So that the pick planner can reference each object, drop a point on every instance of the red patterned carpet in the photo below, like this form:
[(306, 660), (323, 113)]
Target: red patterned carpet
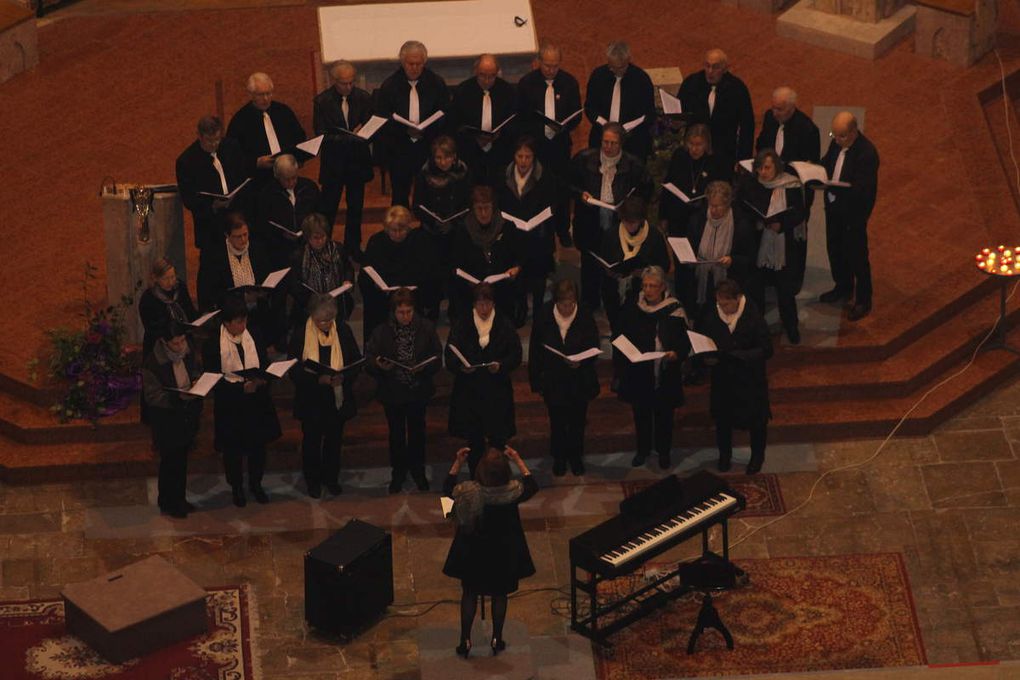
[(35, 646), (762, 492), (797, 614)]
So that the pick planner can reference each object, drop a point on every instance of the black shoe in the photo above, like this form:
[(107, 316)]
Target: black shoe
[(566, 241), (239, 499), (420, 480), (724, 465), (334, 488), (559, 467), (261, 496), (834, 295), (576, 467), (464, 648), (179, 512), (638, 460), (396, 486), (858, 312), (314, 490), (754, 466), (664, 461), (189, 507), (498, 645), (793, 336)]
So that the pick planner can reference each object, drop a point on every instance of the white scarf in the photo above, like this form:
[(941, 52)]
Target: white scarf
[(314, 338), (521, 180), (240, 266), (649, 308), (716, 242), (608, 169), (564, 322), (484, 327), (230, 358), (731, 319)]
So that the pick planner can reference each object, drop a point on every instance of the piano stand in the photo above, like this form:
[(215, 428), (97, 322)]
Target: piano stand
[(708, 617)]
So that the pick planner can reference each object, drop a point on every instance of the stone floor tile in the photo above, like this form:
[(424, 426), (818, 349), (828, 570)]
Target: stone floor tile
[(998, 631), (993, 524), (19, 572), (897, 488), (30, 523), (953, 485), (970, 422), (955, 447)]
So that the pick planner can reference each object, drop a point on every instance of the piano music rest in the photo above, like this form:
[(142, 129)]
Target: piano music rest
[(651, 522)]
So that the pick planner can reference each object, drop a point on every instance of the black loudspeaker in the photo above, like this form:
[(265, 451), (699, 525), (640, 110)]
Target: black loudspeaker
[(349, 579)]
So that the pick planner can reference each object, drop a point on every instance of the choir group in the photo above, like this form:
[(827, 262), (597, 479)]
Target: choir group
[(483, 184)]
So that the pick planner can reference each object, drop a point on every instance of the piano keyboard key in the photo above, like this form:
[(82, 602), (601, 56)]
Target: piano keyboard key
[(668, 529)]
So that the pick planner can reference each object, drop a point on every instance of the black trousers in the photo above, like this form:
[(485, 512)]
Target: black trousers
[(724, 441), (404, 164), (653, 424), (321, 441), (233, 466), (530, 283), (329, 202), (785, 281), (407, 437), (847, 246), (173, 477), (567, 423)]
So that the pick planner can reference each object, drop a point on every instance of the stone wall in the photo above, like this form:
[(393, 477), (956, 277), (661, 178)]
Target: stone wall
[(870, 11), (958, 38), (19, 49)]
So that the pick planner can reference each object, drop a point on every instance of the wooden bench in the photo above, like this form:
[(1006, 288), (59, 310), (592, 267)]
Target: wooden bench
[(19, 49), (959, 31)]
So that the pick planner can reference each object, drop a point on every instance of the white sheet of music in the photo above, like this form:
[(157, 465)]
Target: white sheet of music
[(701, 343)]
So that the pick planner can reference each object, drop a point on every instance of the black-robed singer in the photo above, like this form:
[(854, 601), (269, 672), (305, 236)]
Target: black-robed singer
[(482, 401), (243, 411), (323, 401), (654, 389), (394, 357), (620, 92), (484, 102), (717, 97), (740, 388), (166, 300), (282, 206), (320, 266), (567, 386)]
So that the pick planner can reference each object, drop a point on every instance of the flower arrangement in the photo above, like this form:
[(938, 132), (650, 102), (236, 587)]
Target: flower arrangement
[(99, 374), (666, 137)]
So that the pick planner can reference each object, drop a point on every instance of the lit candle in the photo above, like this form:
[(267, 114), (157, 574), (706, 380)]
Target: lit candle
[(985, 251)]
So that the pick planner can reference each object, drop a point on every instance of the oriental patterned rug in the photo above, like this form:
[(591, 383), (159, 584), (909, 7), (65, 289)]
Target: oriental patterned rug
[(764, 497), (797, 614), (34, 645)]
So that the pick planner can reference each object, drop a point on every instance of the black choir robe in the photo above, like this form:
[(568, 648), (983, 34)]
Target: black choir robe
[(155, 313), (274, 205), (343, 157), (482, 401), (534, 248), (195, 173), (636, 383), (466, 255), (637, 98), (250, 132), (549, 374), (732, 120), (740, 388), (801, 141), (466, 110), (691, 177), (401, 153), (653, 251), (554, 153), (412, 262), (743, 250)]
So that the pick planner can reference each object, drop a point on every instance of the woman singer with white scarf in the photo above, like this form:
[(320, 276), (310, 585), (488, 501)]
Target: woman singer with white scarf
[(243, 412), (776, 200), (323, 401), (482, 401), (723, 240)]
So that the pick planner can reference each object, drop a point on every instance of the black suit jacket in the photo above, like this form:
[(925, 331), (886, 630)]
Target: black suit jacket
[(393, 96), (732, 120), (216, 280), (853, 205), (343, 158), (250, 132), (195, 173), (800, 137), (637, 98), (274, 206), (467, 110), (555, 152)]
